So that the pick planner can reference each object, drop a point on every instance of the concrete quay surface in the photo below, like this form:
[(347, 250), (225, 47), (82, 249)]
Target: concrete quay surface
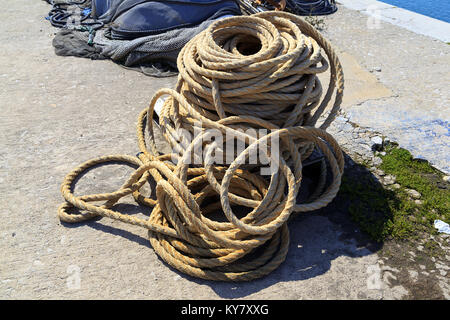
[(60, 111)]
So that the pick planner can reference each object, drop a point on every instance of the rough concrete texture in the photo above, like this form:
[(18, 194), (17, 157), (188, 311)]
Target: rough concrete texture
[(415, 68), (407, 19), (58, 112)]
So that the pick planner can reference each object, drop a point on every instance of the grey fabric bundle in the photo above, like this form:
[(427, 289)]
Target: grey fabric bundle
[(148, 53), (154, 55), (75, 43)]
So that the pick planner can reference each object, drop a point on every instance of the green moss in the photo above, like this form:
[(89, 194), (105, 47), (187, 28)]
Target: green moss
[(420, 176), (433, 249), (371, 207), (383, 213)]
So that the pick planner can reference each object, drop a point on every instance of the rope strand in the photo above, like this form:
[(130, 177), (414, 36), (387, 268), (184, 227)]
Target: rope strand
[(241, 74)]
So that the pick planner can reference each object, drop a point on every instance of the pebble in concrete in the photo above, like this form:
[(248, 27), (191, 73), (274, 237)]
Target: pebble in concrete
[(389, 179), (413, 193), (377, 143)]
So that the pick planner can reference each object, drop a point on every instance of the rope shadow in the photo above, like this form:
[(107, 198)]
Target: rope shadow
[(308, 257), (316, 239)]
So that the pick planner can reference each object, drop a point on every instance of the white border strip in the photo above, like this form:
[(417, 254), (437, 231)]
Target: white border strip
[(412, 21)]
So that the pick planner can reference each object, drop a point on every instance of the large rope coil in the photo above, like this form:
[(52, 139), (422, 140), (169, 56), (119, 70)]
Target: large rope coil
[(257, 72)]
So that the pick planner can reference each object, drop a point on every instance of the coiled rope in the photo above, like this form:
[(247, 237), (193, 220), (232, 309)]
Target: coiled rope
[(255, 72)]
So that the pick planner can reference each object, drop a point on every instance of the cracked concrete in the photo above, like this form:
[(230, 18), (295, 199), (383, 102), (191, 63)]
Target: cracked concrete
[(415, 68)]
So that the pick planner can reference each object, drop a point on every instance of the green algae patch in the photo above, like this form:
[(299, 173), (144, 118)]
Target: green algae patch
[(387, 213), (421, 176)]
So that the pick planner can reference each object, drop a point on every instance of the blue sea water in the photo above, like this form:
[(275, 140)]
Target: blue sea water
[(438, 9)]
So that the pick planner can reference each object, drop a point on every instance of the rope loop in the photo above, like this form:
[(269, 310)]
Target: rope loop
[(248, 81)]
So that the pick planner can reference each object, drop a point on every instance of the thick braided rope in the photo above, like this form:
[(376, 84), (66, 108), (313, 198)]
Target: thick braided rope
[(182, 228), (278, 83)]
